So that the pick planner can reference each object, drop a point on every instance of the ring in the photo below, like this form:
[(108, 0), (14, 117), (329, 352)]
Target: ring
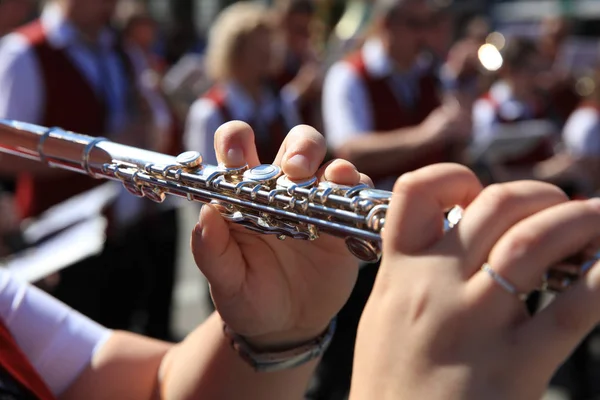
[(506, 285)]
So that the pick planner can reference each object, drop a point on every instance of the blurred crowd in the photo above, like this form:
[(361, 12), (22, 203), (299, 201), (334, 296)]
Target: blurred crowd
[(391, 88)]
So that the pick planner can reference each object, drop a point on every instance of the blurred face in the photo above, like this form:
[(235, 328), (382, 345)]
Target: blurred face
[(407, 31), (439, 35), (297, 31), (253, 61), (92, 14)]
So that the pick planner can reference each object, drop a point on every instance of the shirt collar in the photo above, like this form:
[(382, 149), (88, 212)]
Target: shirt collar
[(62, 33), (501, 92)]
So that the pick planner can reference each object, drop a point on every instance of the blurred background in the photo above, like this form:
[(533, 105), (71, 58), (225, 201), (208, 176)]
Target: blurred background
[(506, 87)]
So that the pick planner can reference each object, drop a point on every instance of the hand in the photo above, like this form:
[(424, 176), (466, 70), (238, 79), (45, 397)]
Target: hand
[(448, 123), (436, 326), (273, 292), (309, 79)]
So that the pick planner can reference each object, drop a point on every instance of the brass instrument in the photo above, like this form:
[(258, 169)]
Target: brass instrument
[(261, 199)]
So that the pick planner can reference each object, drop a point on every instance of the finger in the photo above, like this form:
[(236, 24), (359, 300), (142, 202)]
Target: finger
[(216, 254), (415, 219), (339, 171), (234, 145), (495, 211), (526, 252), (301, 153), (556, 330), (343, 172), (366, 180)]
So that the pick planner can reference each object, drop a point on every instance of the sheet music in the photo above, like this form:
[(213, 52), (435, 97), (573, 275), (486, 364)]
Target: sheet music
[(81, 207), (511, 140), (75, 244)]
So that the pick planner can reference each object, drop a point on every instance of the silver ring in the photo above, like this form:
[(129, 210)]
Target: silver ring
[(506, 285)]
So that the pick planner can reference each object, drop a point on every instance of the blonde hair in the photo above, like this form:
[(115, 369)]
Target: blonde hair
[(228, 33)]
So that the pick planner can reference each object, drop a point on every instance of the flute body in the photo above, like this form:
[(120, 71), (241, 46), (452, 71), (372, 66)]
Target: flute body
[(262, 198)]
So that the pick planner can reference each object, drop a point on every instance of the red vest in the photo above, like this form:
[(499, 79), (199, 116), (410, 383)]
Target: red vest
[(543, 151), (389, 114), (267, 143), (69, 103), (14, 361)]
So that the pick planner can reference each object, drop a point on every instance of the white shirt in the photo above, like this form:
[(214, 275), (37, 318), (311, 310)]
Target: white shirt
[(581, 134), (347, 108), (205, 117), (58, 341)]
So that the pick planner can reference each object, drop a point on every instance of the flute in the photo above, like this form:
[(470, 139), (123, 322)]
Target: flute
[(262, 198)]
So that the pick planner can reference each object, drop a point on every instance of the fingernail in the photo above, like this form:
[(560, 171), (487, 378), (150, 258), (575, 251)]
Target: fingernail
[(235, 157), (300, 162)]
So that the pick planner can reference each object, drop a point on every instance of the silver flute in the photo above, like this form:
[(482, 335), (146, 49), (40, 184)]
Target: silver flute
[(262, 198)]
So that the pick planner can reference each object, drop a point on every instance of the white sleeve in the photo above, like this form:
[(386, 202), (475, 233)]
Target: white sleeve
[(290, 106), (21, 88), (484, 117), (57, 340), (581, 134), (346, 108), (203, 121)]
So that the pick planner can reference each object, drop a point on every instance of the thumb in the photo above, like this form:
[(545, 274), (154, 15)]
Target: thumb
[(415, 219), (217, 254)]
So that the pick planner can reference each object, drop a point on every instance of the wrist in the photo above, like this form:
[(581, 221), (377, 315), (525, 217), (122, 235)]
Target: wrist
[(281, 351)]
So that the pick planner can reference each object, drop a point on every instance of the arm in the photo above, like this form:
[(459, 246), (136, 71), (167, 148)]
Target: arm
[(580, 162), (90, 355), (350, 130), (202, 366), (376, 153)]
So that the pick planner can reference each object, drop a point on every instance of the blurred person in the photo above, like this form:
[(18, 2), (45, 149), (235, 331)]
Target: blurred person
[(554, 32), (298, 73), (158, 232), (68, 69), (514, 98), (383, 112), (140, 31), (440, 37), (460, 69), (576, 165), (14, 13), (239, 61), (557, 81)]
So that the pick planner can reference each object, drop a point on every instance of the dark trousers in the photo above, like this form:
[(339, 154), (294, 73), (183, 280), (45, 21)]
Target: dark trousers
[(332, 378), (130, 285)]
